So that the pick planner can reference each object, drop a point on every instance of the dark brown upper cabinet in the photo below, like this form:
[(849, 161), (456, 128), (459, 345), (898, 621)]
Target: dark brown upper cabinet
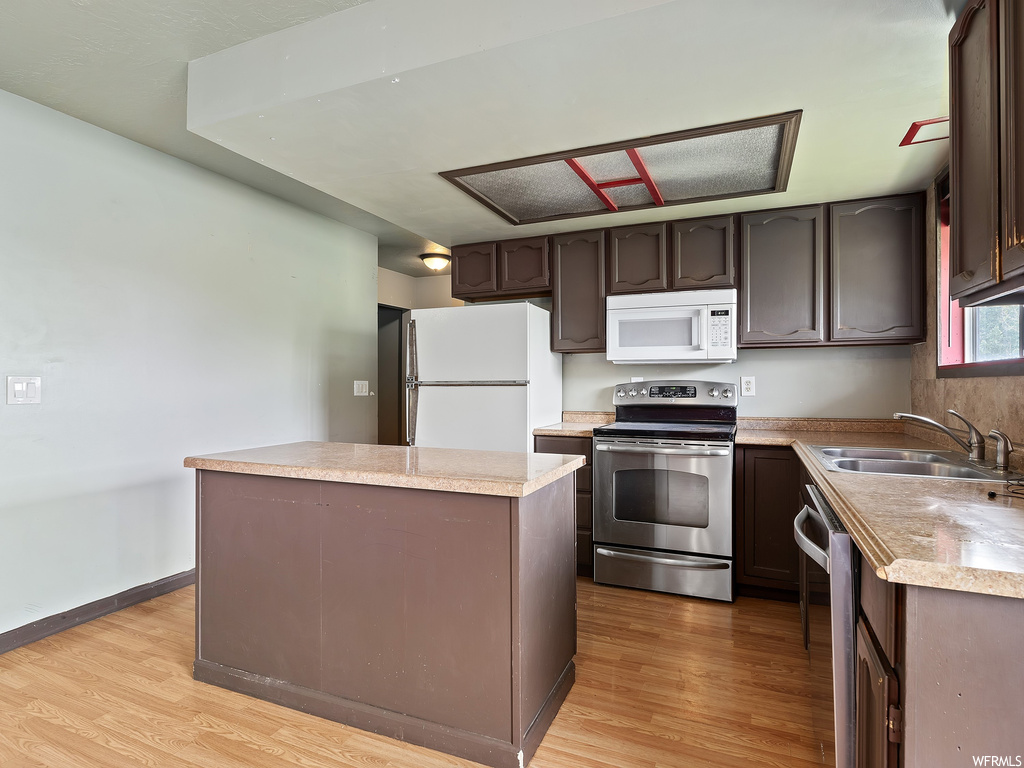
[(474, 270), (877, 270), (637, 260), (704, 253), (499, 270), (578, 292), (782, 282), (1011, 98), (986, 57), (523, 265), (974, 158)]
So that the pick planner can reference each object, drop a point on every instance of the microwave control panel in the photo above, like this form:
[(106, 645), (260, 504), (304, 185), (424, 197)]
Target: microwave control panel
[(720, 328)]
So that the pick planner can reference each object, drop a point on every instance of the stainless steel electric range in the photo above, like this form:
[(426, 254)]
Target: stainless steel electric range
[(663, 479)]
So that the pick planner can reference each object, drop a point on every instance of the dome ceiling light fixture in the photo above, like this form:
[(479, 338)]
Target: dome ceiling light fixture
[(748, 157), (436, 261)]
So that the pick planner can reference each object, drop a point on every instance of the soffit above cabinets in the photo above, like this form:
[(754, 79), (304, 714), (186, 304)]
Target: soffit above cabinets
[(372, 103)]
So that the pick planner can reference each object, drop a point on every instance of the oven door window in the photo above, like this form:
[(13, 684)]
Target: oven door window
[(660, 496)]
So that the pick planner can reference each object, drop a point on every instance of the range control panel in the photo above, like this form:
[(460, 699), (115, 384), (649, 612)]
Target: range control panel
[(672, 392)]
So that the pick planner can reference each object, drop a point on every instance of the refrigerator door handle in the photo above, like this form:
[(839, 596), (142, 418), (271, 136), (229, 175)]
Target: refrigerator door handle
[(412, 396), (516, 383), (412, 373)]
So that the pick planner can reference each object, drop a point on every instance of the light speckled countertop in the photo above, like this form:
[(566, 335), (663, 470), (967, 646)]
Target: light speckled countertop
[(928, 532), (491, 473)]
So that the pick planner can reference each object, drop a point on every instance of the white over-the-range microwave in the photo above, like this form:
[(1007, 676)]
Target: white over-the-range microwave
[(672, 327)]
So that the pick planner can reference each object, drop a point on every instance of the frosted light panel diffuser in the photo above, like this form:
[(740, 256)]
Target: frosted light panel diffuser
[(750, 157)]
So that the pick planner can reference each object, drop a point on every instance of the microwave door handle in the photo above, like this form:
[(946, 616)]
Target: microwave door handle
[(703, 315), (808, 547)]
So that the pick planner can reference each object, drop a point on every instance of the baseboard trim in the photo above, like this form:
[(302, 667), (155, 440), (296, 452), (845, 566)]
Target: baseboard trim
[(366, 717), (51, 625)]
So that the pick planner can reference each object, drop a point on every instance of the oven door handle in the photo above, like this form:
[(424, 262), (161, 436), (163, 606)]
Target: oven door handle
[(808, 547), (663, 451), (681, 562)]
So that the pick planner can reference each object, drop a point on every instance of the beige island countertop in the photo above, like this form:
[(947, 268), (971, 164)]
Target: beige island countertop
[(490, 473)]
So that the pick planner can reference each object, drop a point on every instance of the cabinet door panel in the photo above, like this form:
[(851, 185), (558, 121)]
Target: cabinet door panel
[(474, 269), (782, 283), (974, 162), (704, 253), (770, 502), (523, 265), (578, 292), (1011, 78), (637, 259), (877, 691), (877, 270)]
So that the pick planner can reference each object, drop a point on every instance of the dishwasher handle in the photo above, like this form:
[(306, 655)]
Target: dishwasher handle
[(808, 547)]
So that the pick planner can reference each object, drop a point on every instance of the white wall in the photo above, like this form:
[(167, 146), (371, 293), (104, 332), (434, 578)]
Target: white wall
[(170, 312), (848, 382), (406, 292)]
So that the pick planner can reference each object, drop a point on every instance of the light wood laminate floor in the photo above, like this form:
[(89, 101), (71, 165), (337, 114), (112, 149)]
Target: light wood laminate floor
[(662, 682)]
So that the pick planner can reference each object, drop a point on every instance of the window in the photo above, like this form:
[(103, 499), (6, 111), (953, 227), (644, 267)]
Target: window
[(992, 333), (975, 341)]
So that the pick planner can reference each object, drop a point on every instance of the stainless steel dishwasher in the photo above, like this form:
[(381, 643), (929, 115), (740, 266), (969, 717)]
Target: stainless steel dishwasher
[(821, 536)]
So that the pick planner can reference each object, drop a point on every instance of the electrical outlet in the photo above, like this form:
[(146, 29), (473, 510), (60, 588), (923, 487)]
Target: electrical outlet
[(746, 386), (634, 379)]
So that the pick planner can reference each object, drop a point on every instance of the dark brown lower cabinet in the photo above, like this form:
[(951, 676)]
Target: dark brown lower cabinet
[(578, 446), (767, 500), (879, 718)]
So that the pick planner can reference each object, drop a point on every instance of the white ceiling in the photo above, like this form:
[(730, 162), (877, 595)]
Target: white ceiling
[(355, 111), (122, 65)]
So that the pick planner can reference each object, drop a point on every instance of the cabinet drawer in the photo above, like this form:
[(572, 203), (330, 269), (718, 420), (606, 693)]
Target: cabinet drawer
[(579, 446)]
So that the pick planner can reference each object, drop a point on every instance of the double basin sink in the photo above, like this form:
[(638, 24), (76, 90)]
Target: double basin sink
[(894, 461)]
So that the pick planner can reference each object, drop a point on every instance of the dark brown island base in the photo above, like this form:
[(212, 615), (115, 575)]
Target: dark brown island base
[(424, 594)]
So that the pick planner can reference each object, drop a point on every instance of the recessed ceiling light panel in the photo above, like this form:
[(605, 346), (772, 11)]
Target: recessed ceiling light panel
[(750, 157)]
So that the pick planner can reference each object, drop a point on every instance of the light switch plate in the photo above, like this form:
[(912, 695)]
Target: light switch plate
[(361, 388), (24, 390)]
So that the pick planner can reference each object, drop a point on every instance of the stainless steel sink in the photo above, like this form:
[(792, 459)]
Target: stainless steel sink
[(889, 453), (907, 462), (920, 468)]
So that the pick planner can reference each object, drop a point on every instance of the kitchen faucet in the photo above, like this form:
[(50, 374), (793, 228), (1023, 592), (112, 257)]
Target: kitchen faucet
[(975, 444)]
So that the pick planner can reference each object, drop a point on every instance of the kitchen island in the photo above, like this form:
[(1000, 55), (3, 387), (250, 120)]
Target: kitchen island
[(423, 594)]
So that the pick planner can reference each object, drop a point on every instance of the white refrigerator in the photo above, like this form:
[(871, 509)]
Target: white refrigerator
[(481, 376)]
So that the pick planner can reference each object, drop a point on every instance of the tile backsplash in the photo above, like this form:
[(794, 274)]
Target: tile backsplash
[(988, 401)]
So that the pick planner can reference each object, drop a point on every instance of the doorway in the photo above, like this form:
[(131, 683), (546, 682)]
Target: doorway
[(390, 392)]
